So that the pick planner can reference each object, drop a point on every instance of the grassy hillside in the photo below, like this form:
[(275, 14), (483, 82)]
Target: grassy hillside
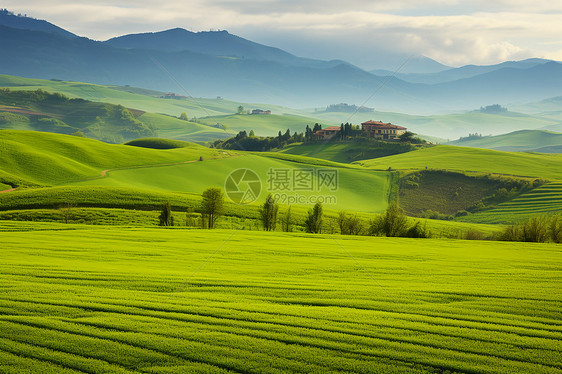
[(545, 166), (122, 300), (545, 199), (170, 127), (138, 98), (267, 125), (43, 111), (443, 126), (29, 157), (449, 192), (348, 151), (524, 140), (358, 190), (448, 126)]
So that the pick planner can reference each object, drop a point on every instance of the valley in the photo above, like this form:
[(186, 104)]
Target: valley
[(197, 202)]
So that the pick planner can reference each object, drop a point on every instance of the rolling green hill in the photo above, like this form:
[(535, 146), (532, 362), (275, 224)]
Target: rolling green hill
[(268, 125), (36, 158), (33, 158), (358, 190), (54, 112), (447, 126), (441, 126), (162, 113), (545, 199), (465, 159), (524, 140), (348, 151)]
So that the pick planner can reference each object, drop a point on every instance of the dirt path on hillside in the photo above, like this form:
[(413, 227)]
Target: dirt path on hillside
[(103, 173)]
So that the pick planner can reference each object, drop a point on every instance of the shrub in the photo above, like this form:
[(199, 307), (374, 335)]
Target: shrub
[(436, 215), (392, 223), (472, 234), (417, 231), (535, 230), (556, 229)]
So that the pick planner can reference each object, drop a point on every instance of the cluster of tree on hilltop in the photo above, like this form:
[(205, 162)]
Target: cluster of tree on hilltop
[(493, 109), (474, 136), (245, 141), (250, 142), (346, 108)]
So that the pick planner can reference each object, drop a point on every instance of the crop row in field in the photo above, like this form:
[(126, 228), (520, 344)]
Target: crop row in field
[(543, 200), (158, 300)]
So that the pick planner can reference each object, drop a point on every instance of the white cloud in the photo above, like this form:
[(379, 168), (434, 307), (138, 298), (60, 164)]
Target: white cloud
[(452, 31)]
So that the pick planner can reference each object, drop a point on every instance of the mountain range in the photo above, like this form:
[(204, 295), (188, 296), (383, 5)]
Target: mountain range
[(217, 63)]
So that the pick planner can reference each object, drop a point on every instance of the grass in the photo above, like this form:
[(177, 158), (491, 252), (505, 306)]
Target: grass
[(348, 151), (150, 101), (164, 300), (446, 192), (174, 128), (447, 126), (358, 190), (524, 140), (47, 159), (545, 199), (42, 111), (266, 125), (158, 143), (464, 159)]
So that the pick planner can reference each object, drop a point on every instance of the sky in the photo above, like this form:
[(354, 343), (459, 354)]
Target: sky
[(371, 34)]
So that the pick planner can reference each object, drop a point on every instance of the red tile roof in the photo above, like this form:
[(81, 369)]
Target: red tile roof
[(332, 128)]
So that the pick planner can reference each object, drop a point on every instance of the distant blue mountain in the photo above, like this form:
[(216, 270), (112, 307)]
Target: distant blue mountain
[(467, 71), (221, 64), (215, 43), (12, 20)]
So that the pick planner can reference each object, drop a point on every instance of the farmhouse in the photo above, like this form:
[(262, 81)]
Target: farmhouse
[(327, 133), (381, 130), (259, 111)]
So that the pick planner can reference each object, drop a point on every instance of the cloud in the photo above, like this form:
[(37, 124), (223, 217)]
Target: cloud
[(454, 32)]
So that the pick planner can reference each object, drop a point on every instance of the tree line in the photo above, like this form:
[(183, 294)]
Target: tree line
[(393, 223)]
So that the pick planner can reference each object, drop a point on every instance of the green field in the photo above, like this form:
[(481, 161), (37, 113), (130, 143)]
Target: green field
[(46, 159), (123, 300), (545, 199), (348, 151), (464, 159), (358, 190), (263, 125)]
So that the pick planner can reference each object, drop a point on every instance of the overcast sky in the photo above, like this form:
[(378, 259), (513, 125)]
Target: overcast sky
[(452, 32)]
